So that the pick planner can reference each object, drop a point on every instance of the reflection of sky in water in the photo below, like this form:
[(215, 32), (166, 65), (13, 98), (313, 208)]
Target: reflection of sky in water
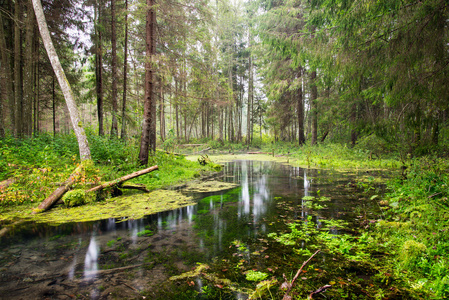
[(91, 260), (256, 203)]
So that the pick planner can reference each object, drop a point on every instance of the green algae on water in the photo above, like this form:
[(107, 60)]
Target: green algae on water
[(209, 186), (126, 207)]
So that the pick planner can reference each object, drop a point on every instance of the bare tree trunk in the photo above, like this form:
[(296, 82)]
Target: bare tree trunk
[(54, 104), (313, 107), (99, 71), (147, 142), (125, 71), (7, 83), (63, 82), (300, 114), (36, 82), (18, 87), (177, 109), (114, 126), (162, 111), (220, 124), (27, 120), (250, 97)]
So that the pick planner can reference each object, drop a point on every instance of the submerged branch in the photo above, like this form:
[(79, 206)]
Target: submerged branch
[(290, 286)]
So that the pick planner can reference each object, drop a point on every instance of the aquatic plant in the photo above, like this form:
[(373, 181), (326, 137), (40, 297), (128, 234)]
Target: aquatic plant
[(256, 275)]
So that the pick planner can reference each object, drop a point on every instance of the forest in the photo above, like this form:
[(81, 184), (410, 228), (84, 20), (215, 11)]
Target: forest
[(240, 72), (94, 90)]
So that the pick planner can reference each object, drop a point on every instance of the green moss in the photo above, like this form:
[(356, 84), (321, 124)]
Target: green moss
[(77, 197), (411, 251)]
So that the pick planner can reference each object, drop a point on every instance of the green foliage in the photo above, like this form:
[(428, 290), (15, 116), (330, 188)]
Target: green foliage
[(256, 275), (145, 232), (416, 225), (38, 162)]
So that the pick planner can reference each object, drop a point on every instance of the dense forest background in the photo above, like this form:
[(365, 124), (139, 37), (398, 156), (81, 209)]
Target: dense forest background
[(303, 71)]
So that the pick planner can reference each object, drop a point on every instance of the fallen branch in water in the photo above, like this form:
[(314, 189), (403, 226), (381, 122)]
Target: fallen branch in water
[(290, 284)]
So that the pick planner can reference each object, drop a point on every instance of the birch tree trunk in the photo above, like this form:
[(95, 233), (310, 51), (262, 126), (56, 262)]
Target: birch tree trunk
[(63, 82)]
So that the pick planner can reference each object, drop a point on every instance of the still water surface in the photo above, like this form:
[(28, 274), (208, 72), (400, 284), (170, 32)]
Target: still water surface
[(110, 259)]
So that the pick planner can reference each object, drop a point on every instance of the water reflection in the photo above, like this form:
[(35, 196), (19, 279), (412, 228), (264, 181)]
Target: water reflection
[(176, 239), (91, 260)]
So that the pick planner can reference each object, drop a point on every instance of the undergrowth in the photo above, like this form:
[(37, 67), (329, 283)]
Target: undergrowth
[(416, 228), (38, 164)]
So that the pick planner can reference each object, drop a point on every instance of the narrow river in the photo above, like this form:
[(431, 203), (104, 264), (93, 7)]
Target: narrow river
[(228, 232)]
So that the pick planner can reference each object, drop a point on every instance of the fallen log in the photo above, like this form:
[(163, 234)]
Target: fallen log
[(204, 150), (7, 182), (122, 179), (59, 192), (140, 187), (191, 145), (172, 153)]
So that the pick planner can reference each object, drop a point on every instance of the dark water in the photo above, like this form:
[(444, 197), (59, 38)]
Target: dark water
[(228, 231)]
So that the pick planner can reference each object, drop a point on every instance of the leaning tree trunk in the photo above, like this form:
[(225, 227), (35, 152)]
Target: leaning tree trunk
[(63, 82)]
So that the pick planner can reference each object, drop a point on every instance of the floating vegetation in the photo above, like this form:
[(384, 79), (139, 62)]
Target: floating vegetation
[(256, 275), (209, 186), (126, 207)]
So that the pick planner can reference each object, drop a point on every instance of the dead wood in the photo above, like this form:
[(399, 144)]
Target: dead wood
[(7, 182), (191, 145), (59, 192), (204, 150), (290, 285), (320, 290), (108, 271), (172, 153), (122, 179), (257, 152), (140, 187)]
